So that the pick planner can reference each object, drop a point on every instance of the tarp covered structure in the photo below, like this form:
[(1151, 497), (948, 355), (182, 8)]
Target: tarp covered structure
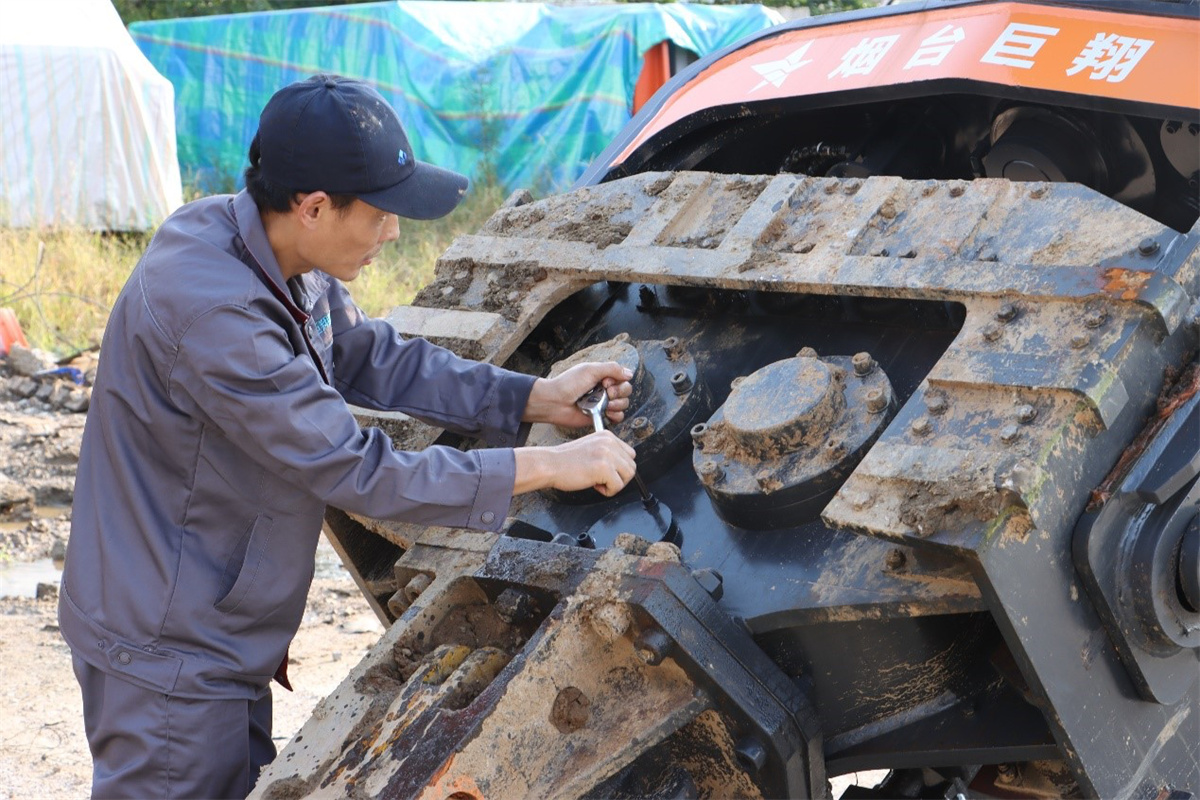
[(87, 126), (530, 91)]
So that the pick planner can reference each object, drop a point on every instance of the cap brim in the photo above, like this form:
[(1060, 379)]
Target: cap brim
[(428, 192)]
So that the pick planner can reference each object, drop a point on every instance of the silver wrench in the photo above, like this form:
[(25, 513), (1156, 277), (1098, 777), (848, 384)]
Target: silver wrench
[(594, 404)]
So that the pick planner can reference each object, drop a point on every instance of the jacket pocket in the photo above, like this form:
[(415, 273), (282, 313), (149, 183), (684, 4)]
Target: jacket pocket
[(251, 549)]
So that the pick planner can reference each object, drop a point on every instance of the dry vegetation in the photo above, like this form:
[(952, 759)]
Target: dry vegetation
[(62, 283)]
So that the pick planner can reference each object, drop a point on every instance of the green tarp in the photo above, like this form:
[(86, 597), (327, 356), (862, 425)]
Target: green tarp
[(529, 91)]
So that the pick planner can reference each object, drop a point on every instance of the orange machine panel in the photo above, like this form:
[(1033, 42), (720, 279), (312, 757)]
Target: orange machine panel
[(1081, 51)]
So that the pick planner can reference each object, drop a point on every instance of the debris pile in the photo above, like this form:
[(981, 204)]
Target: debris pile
[(35, 379)]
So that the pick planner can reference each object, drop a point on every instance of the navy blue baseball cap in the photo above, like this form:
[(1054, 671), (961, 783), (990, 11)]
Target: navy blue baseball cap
[(339, 135)]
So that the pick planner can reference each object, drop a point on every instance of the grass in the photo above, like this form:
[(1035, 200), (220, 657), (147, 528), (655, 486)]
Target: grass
[(62, 283)]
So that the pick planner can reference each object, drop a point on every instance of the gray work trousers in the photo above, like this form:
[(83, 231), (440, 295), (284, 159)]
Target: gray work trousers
[(146, 744)]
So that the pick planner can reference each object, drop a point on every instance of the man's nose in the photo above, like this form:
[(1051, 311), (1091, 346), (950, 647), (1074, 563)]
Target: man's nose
[(391, 229)]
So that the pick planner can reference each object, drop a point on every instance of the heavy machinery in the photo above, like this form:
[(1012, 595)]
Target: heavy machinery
[(911, 298)]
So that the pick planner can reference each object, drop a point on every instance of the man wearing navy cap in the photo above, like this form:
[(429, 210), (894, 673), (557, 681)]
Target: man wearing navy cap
[(219, 430)]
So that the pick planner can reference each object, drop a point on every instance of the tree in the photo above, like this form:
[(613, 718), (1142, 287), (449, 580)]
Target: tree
[(137, 10)]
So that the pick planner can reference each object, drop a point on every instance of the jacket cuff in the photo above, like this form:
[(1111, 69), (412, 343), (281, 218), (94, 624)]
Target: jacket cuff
[(502, 421), (497, 476)]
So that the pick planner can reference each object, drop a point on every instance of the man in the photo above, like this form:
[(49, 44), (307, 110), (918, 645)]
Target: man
[(219, 430)]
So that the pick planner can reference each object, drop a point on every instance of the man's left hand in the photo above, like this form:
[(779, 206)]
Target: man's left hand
[(553, 399)]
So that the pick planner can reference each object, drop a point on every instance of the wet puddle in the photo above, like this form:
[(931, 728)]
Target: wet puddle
[(39, 512), (20, 578)]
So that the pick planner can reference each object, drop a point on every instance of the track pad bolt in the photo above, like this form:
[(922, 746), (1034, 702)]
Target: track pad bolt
[(863, 364)]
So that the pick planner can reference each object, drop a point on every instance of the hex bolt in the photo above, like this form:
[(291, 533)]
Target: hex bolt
[(641, 427), (698, 432), (673, 347), (1173, 126), (990, 331), (1009, 434), (876, 401), (936, 404), (681, 383), (896, 559), (653, 646), (751, 755), (1080, 341), (710, 581), (1095, 317), (1006, 313), (863, 364), (736, 382), (921, 426), (1026, 414), (710, 472), (956, 190), (807, 352), (1038, 192), (1147, 246)]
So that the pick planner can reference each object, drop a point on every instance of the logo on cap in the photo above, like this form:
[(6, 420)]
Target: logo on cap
[(402, 159)]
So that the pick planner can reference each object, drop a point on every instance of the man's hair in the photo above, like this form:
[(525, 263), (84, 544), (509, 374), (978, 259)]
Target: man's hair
[(270, 196)]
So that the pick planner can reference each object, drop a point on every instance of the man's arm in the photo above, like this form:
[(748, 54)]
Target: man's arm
[(236, 372), (375, 368)]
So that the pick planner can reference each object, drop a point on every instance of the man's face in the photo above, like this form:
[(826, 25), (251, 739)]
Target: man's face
[(347, 240)]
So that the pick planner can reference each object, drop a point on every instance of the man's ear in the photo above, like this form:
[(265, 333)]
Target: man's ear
[(312, 207)]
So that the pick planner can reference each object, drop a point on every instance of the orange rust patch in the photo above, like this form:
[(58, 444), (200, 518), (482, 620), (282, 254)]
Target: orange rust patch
[(1126, 284), (459, 787)]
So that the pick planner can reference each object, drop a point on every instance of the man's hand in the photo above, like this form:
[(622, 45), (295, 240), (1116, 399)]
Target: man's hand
[(598, 460), (553, 399)]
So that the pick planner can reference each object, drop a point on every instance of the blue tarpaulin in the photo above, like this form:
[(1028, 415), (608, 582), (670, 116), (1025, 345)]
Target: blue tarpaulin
[(529, 91)]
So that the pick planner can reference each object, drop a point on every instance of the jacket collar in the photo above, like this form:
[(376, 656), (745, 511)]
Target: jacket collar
[(249, 223), (254, 237)]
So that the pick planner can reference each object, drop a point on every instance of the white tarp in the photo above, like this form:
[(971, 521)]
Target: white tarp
[(87, 125)]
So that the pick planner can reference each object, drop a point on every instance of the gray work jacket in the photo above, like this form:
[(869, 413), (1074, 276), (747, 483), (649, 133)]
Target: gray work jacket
[(217, 433)]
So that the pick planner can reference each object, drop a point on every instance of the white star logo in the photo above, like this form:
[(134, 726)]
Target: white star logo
[(776, 72)]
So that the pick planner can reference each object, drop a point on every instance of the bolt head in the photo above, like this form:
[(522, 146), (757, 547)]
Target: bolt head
[(863, 364), (936, 404), (1009, 434), (807, 352), (921, 426), (876, 401), (673, 347), (1095, 318), (1006, 312), (1080, 341), (990, 331), (957, 190), (1026, 414), (1147, 246), (681, 383), (896, 559), (710, 472)]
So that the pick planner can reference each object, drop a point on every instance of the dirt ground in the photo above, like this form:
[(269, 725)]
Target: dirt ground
[(43, 752)]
